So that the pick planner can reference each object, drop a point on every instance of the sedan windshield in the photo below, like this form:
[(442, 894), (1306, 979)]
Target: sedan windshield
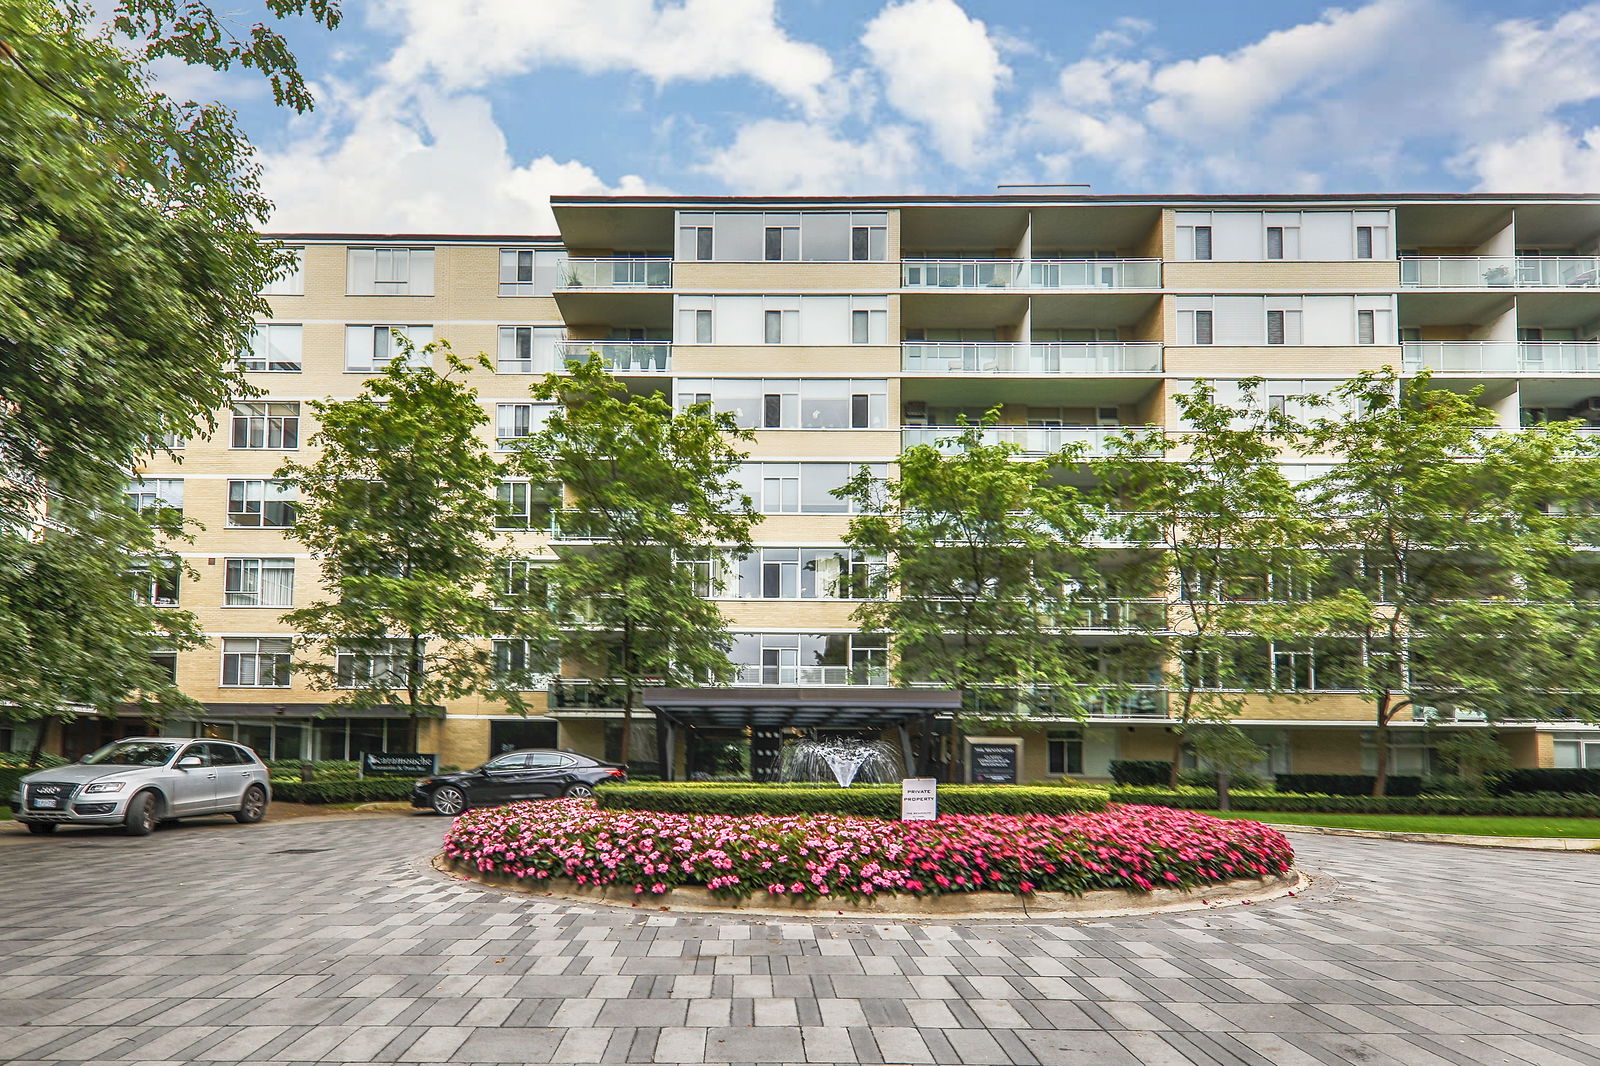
[(134, 753)]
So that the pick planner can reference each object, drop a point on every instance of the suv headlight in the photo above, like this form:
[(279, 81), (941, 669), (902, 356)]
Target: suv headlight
[(106, 786)]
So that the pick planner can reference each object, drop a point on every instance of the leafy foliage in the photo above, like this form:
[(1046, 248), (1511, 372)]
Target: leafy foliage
[(648, 490), (399, 511), (1558, 806)]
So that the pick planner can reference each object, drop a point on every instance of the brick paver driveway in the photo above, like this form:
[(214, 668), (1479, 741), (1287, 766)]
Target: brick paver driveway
[(326, 941)]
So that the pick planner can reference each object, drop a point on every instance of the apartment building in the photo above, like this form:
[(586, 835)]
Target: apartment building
[(842, 330)]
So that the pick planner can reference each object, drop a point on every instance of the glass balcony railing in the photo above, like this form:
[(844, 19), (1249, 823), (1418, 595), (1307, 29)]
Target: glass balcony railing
[(1500, 271), (623, 357), (1502, 357), (860, 674), (621, 273), (1018, 357), (1046, 274), (1094, 273), (1033, 440)]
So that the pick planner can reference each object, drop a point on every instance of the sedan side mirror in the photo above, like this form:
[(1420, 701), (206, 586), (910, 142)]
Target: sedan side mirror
[(188, 761)]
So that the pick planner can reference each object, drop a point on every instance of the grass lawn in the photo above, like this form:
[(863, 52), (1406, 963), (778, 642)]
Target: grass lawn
[(1473, 825)]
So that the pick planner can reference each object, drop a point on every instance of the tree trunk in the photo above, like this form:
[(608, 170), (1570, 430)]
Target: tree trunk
[(38, 743), (1222, 790), (626, 744), (1380, 780), (1177, 761), (952, 766)]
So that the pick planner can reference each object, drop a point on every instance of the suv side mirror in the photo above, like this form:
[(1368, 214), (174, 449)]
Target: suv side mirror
[(188, 761)]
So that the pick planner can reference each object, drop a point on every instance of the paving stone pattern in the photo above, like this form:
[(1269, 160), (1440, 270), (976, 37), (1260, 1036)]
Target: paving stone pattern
[(329, 942)]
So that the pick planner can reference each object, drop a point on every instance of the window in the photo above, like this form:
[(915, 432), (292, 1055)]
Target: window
[(782, 243), (292, 282), (266, 425), (869, 326), (1363, 242), (1202, 327), (377, 664), (259, 583), (809, 403), (262, 504), (806, 573), (1202, 242), (796, 488), (1366, 327), (165, 660), (702, 575), (256, 662), (528, 349), (869, 243), (695, 243), (1275, 327), (526, 504), (780, 489), (1577, 751), (1065, 753), (530, 271), (702, 327), (156, 583), (525, 579), (371, 348), (144, 494), (514, 421), (860, 411), (523, 662), (774, 327), (1283, 326), (1274, 242), (1283, 242), (389, 271), (274, 349)]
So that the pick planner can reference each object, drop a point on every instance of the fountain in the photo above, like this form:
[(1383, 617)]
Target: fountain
[(842, 760)]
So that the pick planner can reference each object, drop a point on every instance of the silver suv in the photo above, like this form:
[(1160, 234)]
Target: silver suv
[(140, 782)]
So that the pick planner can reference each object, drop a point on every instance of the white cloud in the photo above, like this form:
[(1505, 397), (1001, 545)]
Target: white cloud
[(419, 162), (1125, 32), (468, 43), (1552, 158), (776, 157), (941, 69)]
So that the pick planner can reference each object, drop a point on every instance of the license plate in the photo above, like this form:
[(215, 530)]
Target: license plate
[(44, 802)]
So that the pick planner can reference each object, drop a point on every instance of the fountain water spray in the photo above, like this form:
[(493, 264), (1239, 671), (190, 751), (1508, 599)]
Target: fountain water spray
[(843, 760)]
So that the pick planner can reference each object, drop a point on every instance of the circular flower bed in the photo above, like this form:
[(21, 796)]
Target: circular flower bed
[(738, 856)]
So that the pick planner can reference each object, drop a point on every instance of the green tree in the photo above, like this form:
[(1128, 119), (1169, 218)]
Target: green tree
[(1228, 750), (399, 510), (987, 568), (1217, 533), (648, 491), (1461, 573)]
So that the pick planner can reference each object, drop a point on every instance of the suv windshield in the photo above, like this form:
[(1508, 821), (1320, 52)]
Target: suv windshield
[(136, 753)]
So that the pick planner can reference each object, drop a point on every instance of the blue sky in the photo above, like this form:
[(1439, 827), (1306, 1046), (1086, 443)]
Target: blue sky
[(467, 115)]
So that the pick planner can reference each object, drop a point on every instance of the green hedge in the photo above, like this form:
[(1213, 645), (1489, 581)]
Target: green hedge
[(872, 801), (1136, 772), (370, 790), (1347, 784), (326, 770), (1586, 782), (1540, 805)]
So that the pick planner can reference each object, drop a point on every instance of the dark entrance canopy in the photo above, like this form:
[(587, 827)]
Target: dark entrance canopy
[(766, 712)]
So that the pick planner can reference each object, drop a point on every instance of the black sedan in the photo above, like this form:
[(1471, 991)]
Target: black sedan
[(515, 775)]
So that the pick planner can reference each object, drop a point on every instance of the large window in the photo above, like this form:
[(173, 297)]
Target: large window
[(792, 403), (156, 583), (270, 426), (380, 662), (528, 349), (1577, 751), (527, 504), (804, 573), (368, 349), (761, 320), (1245, 236), (261, 503), (810, 658), (390, 271), (292, 282), (256, 662), (274, 348), (789, 236), (515, 421), (527, 663), (1064, 752), (800, 488), (530, 271), (259, 583), (1332, 321), (150, 493)]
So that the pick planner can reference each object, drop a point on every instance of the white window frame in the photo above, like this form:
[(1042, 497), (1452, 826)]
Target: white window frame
[(362, 342), (293, 281), (242, 651), (255, 492), (144, 493), (243, 584), (265, 420), (394, 650), (267, 336), (394, 271)]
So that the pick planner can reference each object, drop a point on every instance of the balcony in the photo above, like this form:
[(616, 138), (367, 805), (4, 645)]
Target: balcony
[(1500, 272), (1094, 273), (1019, 357), (1038, 274), (1502, 357), (622, 357), (617, 273), (1033, 440), (829, 676)]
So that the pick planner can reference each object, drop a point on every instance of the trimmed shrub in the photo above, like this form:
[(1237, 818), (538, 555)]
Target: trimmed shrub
[(326, 770), (1546, 805), (1347, 784), (1453, 785), (1578, 782), (369, 790), (869, 801), (1137, 772), (1244, 779)]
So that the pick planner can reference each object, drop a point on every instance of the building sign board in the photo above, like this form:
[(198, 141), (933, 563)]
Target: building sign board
[(919, 799), (404, 764), (992, 763)]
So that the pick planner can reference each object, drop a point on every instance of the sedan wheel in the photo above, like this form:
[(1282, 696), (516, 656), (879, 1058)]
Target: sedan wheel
[(140, 821), (579, 791), (254, 806), (449, 801)]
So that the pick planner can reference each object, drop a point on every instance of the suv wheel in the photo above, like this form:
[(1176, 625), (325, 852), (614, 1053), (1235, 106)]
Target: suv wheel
[(42, 828), (579, 791), (141, 819), (449, 801), (254, 806)]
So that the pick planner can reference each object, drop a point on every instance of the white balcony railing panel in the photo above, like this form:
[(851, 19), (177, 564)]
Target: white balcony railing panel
[(623, 357), (1033, 440), (1502, 357), (617, 273), (835, 676), (1500, 271), (1094, 273), (1018, 357), (963, 273)]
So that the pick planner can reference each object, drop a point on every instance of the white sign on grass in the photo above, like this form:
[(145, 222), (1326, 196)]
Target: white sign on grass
[(919, 799)]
